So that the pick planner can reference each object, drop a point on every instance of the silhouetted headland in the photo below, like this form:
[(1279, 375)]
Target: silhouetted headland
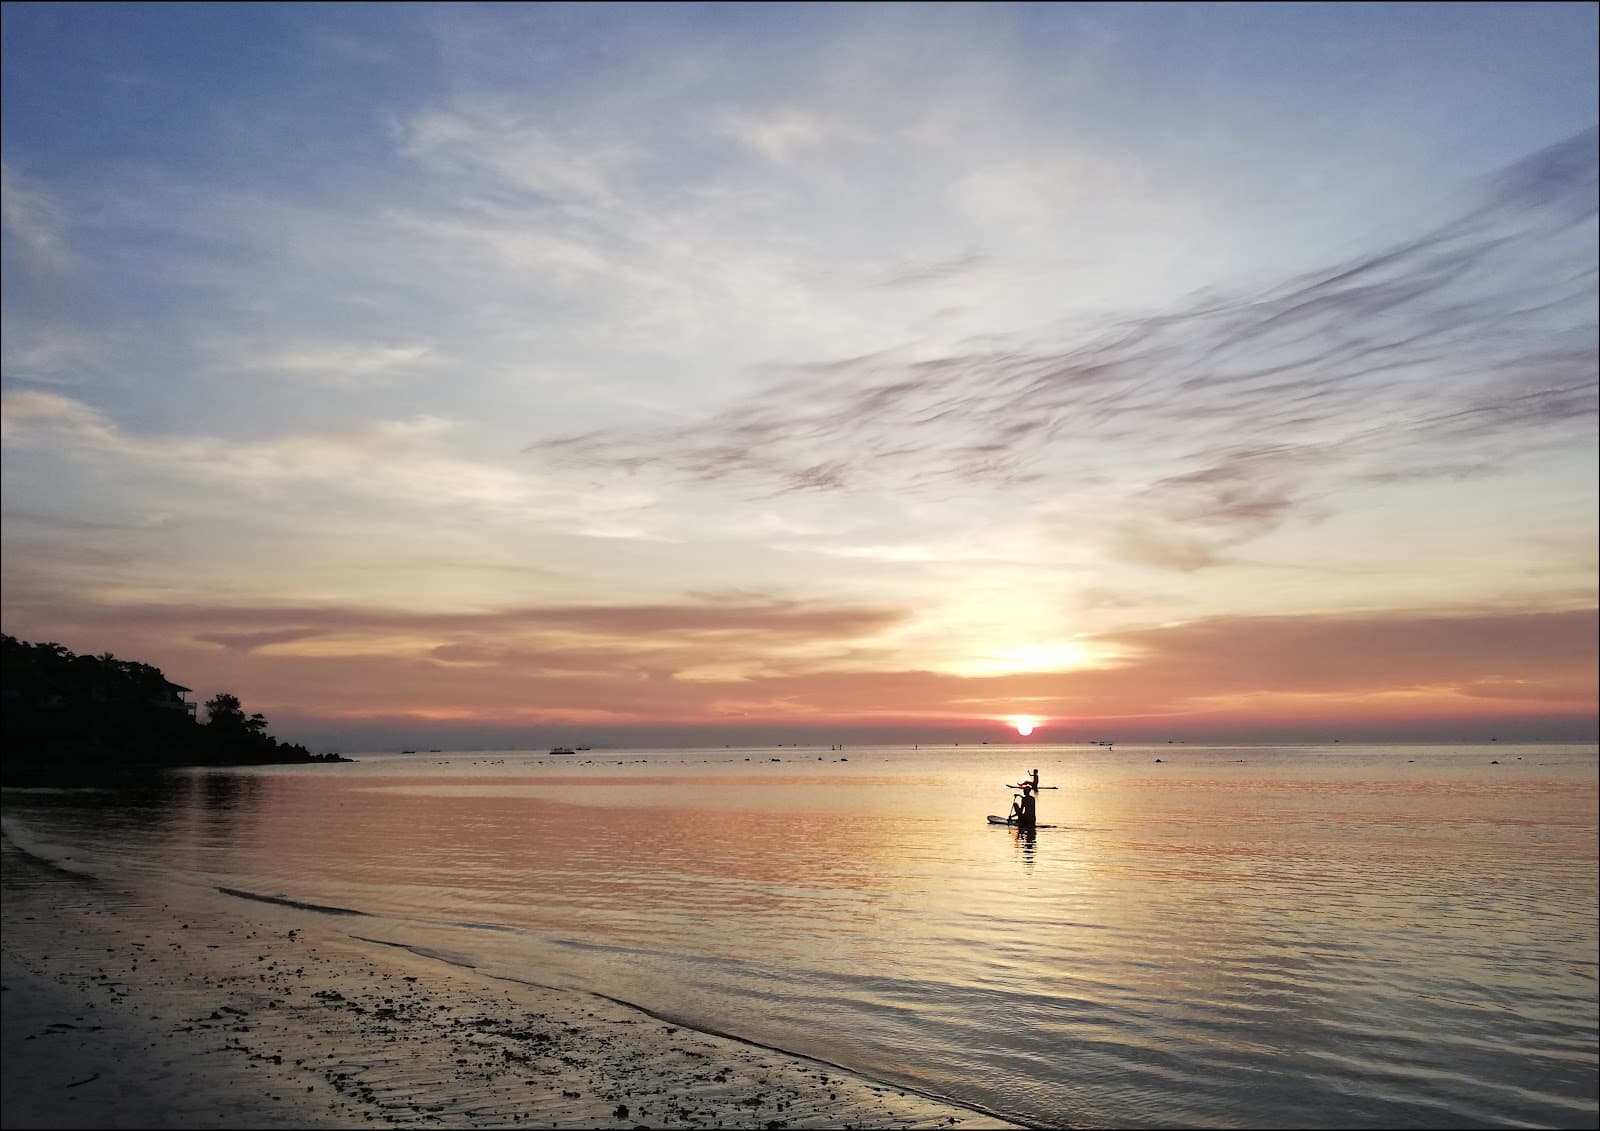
[(71, 719)]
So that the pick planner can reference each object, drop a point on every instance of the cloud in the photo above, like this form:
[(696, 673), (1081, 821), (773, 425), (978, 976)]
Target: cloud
[(334, 364), (780, 662), (29, 214), (495, 137), (1361, 653), (783, 134), (52, 355), (1457, 352), (398, 461), (1378, 665), (1187, 521), (1555, 692), (615, 661), (248, 627), (936, 272), (252, 641), (81, 525), (26, 414)]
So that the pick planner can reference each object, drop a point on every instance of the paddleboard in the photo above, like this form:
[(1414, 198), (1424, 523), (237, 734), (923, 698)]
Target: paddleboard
[(993, 820)]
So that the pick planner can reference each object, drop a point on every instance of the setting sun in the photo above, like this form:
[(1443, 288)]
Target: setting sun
[(1024, 724)]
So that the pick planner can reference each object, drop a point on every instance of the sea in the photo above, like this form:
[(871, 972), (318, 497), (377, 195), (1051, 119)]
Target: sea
[(1335, 936)]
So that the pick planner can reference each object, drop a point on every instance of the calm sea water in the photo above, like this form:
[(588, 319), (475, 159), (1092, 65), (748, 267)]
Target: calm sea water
[(1334, 936)]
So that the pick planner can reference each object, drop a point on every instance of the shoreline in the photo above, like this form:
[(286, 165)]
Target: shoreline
[(130, 1009)]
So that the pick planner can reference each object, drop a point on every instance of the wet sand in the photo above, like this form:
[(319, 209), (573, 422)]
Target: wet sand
[(128, 1009)]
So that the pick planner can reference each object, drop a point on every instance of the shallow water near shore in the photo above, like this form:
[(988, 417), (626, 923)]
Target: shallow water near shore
[(1338, 936)]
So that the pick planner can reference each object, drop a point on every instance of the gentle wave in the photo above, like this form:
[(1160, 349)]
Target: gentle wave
[(282, 901)]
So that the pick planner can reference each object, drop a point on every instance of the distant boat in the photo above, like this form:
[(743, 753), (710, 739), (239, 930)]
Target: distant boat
[(562, 750)]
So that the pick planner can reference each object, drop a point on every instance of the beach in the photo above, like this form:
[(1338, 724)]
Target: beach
[(124, 1009)]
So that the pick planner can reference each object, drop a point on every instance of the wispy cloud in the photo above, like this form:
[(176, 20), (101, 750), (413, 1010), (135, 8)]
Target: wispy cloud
[(53, 355), (784, 134), (780, 662), (941, 271), (617, 661), (749, 616), (402, 461), (334, 364), (494, 136), (33, 217), (1477, 335)]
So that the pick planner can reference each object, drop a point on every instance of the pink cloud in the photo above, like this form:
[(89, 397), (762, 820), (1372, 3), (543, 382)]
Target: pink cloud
[(656, 666)]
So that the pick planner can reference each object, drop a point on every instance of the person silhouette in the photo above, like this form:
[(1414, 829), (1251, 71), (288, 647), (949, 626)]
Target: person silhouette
[(1029, 778), (1024, 808)]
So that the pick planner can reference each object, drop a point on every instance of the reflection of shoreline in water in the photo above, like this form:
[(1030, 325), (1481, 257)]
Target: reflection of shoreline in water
[(176, 820)]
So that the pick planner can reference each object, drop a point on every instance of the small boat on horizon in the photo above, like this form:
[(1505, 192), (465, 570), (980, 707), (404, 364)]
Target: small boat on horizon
[(562, 750)]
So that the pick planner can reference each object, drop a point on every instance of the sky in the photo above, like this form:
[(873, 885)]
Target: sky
[(494, 376)]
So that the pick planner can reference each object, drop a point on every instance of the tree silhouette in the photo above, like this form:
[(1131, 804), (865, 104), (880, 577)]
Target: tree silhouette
[(224, 712), (73, 717)]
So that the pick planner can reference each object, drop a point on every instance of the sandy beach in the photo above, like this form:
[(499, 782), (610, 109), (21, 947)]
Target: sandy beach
[(125, 1009)]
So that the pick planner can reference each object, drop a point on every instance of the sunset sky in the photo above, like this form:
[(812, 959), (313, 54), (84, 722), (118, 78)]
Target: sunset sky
[(628, 374)]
